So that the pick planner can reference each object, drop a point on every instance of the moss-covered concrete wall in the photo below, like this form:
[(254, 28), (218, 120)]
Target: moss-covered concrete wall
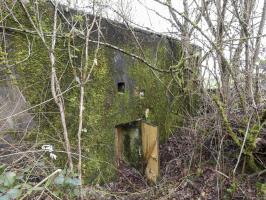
[(104, 105)]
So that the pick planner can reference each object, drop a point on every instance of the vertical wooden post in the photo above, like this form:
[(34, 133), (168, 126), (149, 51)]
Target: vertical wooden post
[(118, 145)]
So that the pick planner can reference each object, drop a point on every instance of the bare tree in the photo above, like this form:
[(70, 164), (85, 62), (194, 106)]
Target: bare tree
[(230, 33), (55, 85)]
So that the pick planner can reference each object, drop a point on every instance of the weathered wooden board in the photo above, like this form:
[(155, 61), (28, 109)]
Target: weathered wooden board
[(150, 151), (118, 145)]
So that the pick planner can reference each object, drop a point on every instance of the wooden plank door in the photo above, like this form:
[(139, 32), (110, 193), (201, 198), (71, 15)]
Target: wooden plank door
[(118, 145), (150, 151)]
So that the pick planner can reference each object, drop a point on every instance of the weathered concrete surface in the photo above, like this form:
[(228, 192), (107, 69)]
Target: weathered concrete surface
[(104, 105), (14, 120)]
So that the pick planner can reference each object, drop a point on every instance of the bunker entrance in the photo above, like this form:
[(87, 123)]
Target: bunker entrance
[(136, 144)]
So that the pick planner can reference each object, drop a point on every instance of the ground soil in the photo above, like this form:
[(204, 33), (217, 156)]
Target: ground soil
[(187, 172)]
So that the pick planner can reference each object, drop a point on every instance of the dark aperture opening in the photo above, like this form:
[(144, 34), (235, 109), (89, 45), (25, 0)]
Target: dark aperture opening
[(121, 87)]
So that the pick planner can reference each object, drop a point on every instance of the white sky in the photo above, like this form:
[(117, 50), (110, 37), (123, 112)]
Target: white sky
[(138, 12)]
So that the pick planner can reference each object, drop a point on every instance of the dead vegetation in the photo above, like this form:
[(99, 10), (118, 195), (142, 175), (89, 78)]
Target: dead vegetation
[(194, 165), (218, 153), (188, 171)]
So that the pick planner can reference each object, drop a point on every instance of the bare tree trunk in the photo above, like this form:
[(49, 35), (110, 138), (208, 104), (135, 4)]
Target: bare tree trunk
[(248, 4), (256, 52), (55, 85), (225, 75), (56, 92), (81, 108), (84, 77)]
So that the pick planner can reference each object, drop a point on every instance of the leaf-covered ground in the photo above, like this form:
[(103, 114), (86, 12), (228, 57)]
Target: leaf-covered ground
[(187, 172)]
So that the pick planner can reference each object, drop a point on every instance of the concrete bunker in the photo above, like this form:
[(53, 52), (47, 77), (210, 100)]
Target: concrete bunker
[(116, 73)]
